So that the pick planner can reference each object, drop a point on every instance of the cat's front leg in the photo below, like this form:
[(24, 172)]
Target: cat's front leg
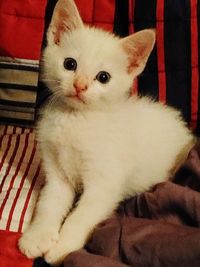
[(55, 201), (96, 204)]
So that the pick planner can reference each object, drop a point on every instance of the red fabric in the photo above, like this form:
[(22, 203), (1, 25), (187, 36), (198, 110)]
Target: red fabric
[(22, 25), (131, 15), (99, 13), (194, 63), (160, 51), (85, 13), (9, 253)]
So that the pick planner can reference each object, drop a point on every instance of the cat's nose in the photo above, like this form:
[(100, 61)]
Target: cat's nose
[(80, 85)]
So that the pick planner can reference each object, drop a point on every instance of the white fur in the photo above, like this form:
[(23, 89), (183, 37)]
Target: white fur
[(111, 146)]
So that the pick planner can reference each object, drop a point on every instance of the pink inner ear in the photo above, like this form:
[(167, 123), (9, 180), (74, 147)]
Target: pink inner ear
[(57, 35), (136, 58), (60, 26), (137, 55), (138, 48)]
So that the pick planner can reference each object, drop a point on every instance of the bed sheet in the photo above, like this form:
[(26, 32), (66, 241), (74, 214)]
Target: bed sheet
[(20, 181)]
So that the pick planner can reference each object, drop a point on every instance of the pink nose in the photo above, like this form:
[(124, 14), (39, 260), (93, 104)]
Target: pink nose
[(80, 87), (80, 84)]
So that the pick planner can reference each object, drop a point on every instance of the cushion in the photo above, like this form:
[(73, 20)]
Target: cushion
[(20, 46)]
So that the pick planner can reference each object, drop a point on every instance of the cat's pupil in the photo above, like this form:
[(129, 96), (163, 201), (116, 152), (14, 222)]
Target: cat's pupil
[(70, 64), (103, 77)]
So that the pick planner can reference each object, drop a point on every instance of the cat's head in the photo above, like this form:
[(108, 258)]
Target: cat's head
[(88, 67)]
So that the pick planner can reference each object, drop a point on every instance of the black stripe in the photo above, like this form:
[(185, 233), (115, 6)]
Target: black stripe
[(19, 67), (17, 122), (16, 109), (17, 103), (121, 18), (177, 43), (48, 15), (43, 92), (145, 17), (19, 87), (198, 21)]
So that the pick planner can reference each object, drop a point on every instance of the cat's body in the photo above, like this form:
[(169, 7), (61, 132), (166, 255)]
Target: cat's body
[(94, 137), (135, 143)]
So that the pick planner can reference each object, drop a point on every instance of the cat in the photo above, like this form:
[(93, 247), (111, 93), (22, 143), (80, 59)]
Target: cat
[(96, 139)]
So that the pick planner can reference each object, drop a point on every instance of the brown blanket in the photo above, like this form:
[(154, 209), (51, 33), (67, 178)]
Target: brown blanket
[(154, 229)]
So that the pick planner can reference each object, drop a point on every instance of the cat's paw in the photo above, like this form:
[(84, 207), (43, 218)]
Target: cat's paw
[(56, 255), (35, 243)]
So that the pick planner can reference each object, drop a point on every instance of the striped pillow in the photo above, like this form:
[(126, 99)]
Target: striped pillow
[(18, 90), (22, 28)]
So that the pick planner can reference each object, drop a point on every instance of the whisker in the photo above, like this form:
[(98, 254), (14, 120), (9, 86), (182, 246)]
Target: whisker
[(49, 80), (54, 98)]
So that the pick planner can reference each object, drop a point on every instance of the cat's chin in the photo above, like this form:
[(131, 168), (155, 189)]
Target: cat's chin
[(76, 98), (75, 102)]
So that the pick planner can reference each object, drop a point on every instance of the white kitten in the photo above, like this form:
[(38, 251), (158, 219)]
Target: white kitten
[(94, 136)]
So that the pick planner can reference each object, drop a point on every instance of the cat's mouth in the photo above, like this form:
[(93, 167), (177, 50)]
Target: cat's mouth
[(77, 97)]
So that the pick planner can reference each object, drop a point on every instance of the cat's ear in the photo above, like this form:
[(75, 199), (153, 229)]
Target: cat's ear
[(65, 18), (138, 46)]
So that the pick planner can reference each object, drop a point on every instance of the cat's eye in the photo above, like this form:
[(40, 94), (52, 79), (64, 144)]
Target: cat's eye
[(70, 64), (103, 77)]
